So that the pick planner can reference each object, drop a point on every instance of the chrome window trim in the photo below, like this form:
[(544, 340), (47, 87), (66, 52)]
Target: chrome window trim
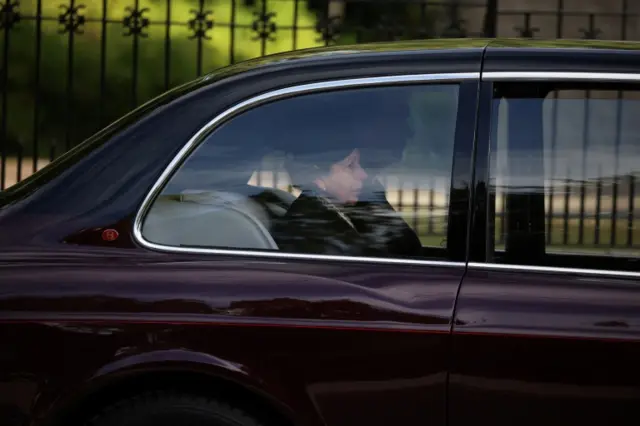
[(255, 101), (364, 82), (553, 270), (559, 76)]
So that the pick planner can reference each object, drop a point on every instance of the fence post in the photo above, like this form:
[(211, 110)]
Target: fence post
[(490, 24)]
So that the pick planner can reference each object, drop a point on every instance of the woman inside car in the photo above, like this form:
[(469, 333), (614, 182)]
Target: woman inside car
[(342, 210)]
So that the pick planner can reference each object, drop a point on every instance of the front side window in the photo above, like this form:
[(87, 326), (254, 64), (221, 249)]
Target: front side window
[(350, 172), (565, 166)]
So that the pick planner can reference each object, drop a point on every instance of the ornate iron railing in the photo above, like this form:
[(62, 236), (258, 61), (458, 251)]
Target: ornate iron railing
[(68, 67)]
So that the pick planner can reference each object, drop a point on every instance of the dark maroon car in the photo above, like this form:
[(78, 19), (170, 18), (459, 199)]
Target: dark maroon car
[(435, 233)]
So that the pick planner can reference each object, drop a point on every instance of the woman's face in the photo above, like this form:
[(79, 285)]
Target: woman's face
[(345, 179)]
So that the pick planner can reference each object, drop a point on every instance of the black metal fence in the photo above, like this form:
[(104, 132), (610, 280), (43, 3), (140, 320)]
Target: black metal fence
[(69, 67)]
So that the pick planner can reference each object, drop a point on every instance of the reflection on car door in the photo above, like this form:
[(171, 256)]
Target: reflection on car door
[(547, 327)]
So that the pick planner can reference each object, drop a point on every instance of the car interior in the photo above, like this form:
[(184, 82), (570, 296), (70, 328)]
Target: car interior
[(242, 217), (238, 214)]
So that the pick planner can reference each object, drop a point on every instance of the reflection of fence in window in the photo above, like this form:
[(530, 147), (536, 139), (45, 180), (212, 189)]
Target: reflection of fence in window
[(591, 215), (591, 166), (424, 205)]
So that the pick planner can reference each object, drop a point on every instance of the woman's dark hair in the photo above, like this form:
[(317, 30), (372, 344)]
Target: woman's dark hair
[(323, 130), (305, 168)]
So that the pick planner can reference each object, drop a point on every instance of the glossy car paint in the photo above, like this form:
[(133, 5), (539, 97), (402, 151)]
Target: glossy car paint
[(321, 343), (324, 340), (550, 347), (546, 348)]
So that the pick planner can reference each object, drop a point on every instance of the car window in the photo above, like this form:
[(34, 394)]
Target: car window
[(350, 172), (565, 163)]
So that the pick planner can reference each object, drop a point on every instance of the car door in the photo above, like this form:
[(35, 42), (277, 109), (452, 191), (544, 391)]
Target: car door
[(364, 335), (547, 327), (207, 288)]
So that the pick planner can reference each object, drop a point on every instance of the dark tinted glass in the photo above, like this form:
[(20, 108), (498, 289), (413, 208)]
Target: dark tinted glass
[(565, 163), (358, 172)]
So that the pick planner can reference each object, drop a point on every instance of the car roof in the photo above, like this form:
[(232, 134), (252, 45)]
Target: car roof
[(406, 49), (348, 53), (418, 47)]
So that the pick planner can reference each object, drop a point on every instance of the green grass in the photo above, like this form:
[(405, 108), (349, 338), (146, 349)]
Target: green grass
[(437, 236), (588, 245)]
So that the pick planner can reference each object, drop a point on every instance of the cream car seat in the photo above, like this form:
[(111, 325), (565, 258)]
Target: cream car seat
[(212, 219)]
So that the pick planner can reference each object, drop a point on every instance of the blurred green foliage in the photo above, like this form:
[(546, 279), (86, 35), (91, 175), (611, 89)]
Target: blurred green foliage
[(89, 79)]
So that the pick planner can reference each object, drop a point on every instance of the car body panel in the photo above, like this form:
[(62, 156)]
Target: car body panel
[(540, 348), (544, 345), (327, 342), (295, 330)]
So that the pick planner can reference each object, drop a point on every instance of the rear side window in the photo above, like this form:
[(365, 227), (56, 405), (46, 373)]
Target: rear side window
[(351, 172), (564, 175)]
